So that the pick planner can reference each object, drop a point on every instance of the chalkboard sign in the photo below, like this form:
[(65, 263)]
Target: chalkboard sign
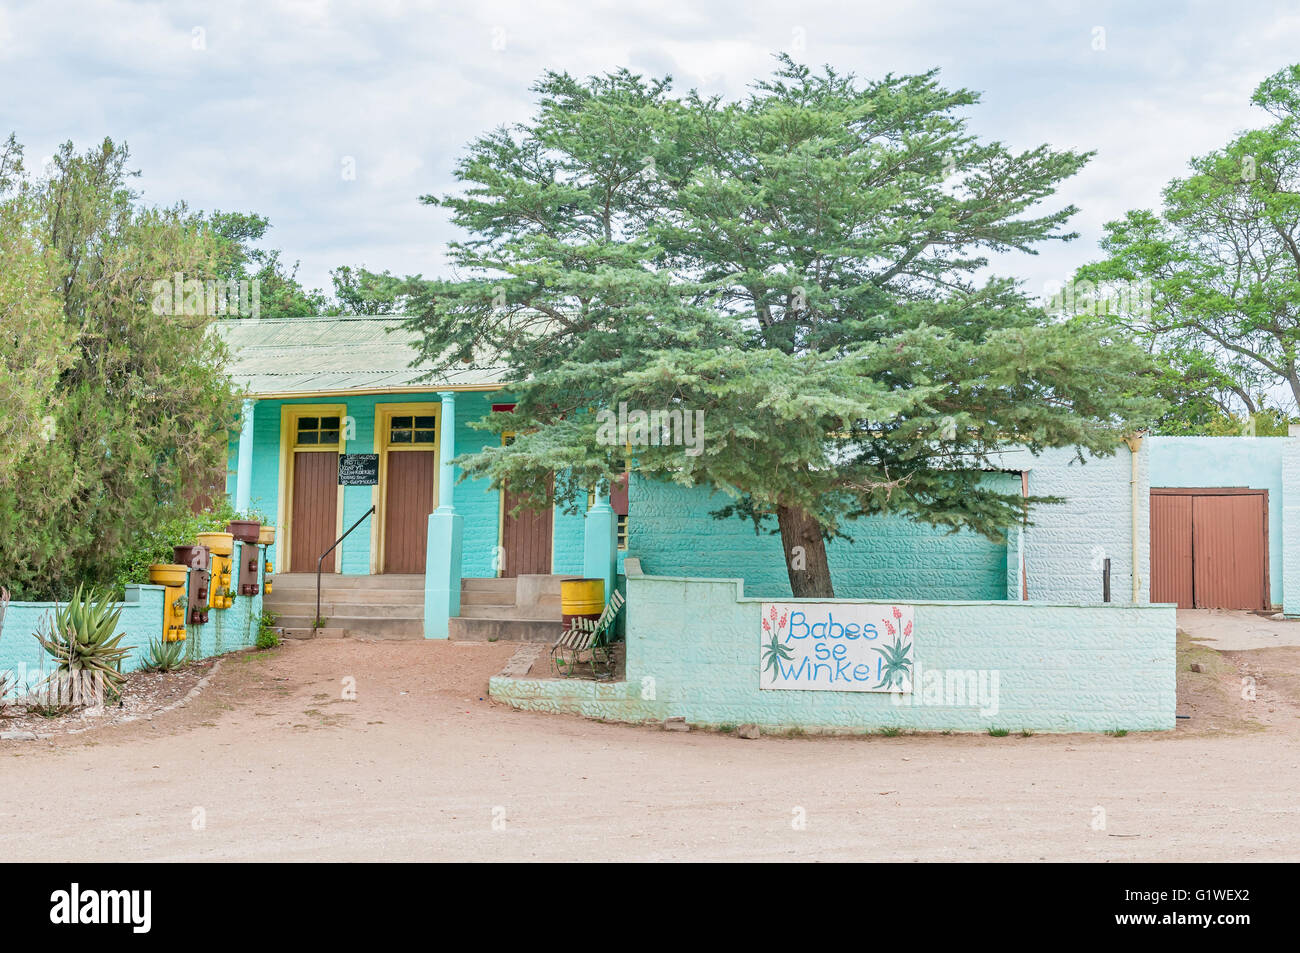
[(358, 469)]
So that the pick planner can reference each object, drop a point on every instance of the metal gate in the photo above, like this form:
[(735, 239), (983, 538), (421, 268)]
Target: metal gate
[(1209, 548)]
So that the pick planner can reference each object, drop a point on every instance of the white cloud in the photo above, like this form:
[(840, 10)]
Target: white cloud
[(262, 115)]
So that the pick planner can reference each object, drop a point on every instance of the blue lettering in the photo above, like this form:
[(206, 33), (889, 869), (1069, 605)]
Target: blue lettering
[(792, 672), (798, 620)]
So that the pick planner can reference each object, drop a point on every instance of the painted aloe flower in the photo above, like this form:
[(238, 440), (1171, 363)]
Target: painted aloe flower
[(898, 667), (775, 652)]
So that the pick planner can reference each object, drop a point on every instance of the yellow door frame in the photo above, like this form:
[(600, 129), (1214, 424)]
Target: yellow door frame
[(384, 413), (289, 414)]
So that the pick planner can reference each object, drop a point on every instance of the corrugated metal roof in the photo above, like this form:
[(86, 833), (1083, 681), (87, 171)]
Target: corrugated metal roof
[(326, 354)]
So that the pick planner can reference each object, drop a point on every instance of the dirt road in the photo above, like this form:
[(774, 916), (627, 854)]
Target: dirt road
[(273, 763)]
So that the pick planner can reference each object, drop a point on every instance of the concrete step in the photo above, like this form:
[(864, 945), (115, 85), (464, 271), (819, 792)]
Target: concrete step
[(486, 597), (356, 610), (296, 633), (504, 585), (307, 580), (533, 613), (503, 630), (385, 597), (362, 628)]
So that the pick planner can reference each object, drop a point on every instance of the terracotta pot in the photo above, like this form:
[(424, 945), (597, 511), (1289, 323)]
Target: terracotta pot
[(246, 531)]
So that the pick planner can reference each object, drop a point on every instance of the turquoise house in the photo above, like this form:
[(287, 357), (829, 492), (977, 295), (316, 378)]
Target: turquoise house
[(326, 392), (323, 393)]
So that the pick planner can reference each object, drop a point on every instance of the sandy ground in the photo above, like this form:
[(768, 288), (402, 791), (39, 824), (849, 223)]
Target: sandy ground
[(1232, 629), (273, 763)]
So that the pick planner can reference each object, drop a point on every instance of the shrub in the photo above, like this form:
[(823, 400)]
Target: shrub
[(267, 637), (154, 544)]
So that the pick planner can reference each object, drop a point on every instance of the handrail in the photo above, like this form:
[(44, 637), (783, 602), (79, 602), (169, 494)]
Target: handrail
[(315, 622)]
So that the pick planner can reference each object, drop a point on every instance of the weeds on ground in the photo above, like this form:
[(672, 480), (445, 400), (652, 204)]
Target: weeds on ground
[(267, 637), (998, 732)]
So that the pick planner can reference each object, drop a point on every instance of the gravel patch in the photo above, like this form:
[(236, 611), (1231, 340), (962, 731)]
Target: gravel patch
[(145, 695)]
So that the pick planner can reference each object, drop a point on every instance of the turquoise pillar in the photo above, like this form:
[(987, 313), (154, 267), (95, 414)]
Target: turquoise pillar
[(600, 541), (446, 532), (244, 470)]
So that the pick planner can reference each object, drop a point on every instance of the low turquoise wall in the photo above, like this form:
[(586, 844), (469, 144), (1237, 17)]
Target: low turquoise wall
[(1253, 462), (141, 621), (693, 650), (670, 530)]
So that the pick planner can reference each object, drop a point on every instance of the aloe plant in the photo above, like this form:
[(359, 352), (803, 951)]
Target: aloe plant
[(80, 637), (164, 656)]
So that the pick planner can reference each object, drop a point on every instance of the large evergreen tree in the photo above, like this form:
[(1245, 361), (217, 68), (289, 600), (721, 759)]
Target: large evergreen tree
[(799, 268)]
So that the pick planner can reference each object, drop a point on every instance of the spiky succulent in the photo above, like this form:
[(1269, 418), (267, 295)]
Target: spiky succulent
[(164, 656), (80, 637)]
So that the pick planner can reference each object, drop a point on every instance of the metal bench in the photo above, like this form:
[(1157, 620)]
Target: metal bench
[(588, 645)]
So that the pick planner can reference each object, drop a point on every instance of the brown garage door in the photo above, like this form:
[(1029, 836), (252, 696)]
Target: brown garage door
[(1209, 548)]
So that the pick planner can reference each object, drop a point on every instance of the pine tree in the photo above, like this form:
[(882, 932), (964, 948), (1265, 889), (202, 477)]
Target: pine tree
[(796, 270)]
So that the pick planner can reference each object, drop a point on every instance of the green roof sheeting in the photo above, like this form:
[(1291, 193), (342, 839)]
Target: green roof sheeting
[(313, 355)]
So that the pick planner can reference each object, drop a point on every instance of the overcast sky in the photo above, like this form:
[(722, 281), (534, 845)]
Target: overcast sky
[(259, 106)]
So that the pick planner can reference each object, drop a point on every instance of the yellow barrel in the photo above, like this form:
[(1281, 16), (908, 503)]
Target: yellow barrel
[(219, 544), (581, 599), (167, 574), (266, 535)]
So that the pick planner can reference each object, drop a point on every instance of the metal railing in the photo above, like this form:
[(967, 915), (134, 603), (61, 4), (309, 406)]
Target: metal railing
[(315, 622)]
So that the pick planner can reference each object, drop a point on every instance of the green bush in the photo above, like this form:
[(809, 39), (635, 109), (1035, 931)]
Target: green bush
[(154, 544), (267, 637)]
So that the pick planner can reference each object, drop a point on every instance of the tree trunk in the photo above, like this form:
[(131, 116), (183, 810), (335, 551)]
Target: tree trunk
[(805, 554)]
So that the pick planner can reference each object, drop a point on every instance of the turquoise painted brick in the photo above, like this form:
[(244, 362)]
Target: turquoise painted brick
[(1289, 569), (670, 530), (1066, 543), (567, 541), (693, 651)]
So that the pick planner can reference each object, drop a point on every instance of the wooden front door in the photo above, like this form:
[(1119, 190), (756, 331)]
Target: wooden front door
[(315, 509), (411, 476), (525, 539), (1209, 548)]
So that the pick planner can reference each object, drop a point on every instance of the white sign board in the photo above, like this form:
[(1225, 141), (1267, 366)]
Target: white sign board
[(836, 647)]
